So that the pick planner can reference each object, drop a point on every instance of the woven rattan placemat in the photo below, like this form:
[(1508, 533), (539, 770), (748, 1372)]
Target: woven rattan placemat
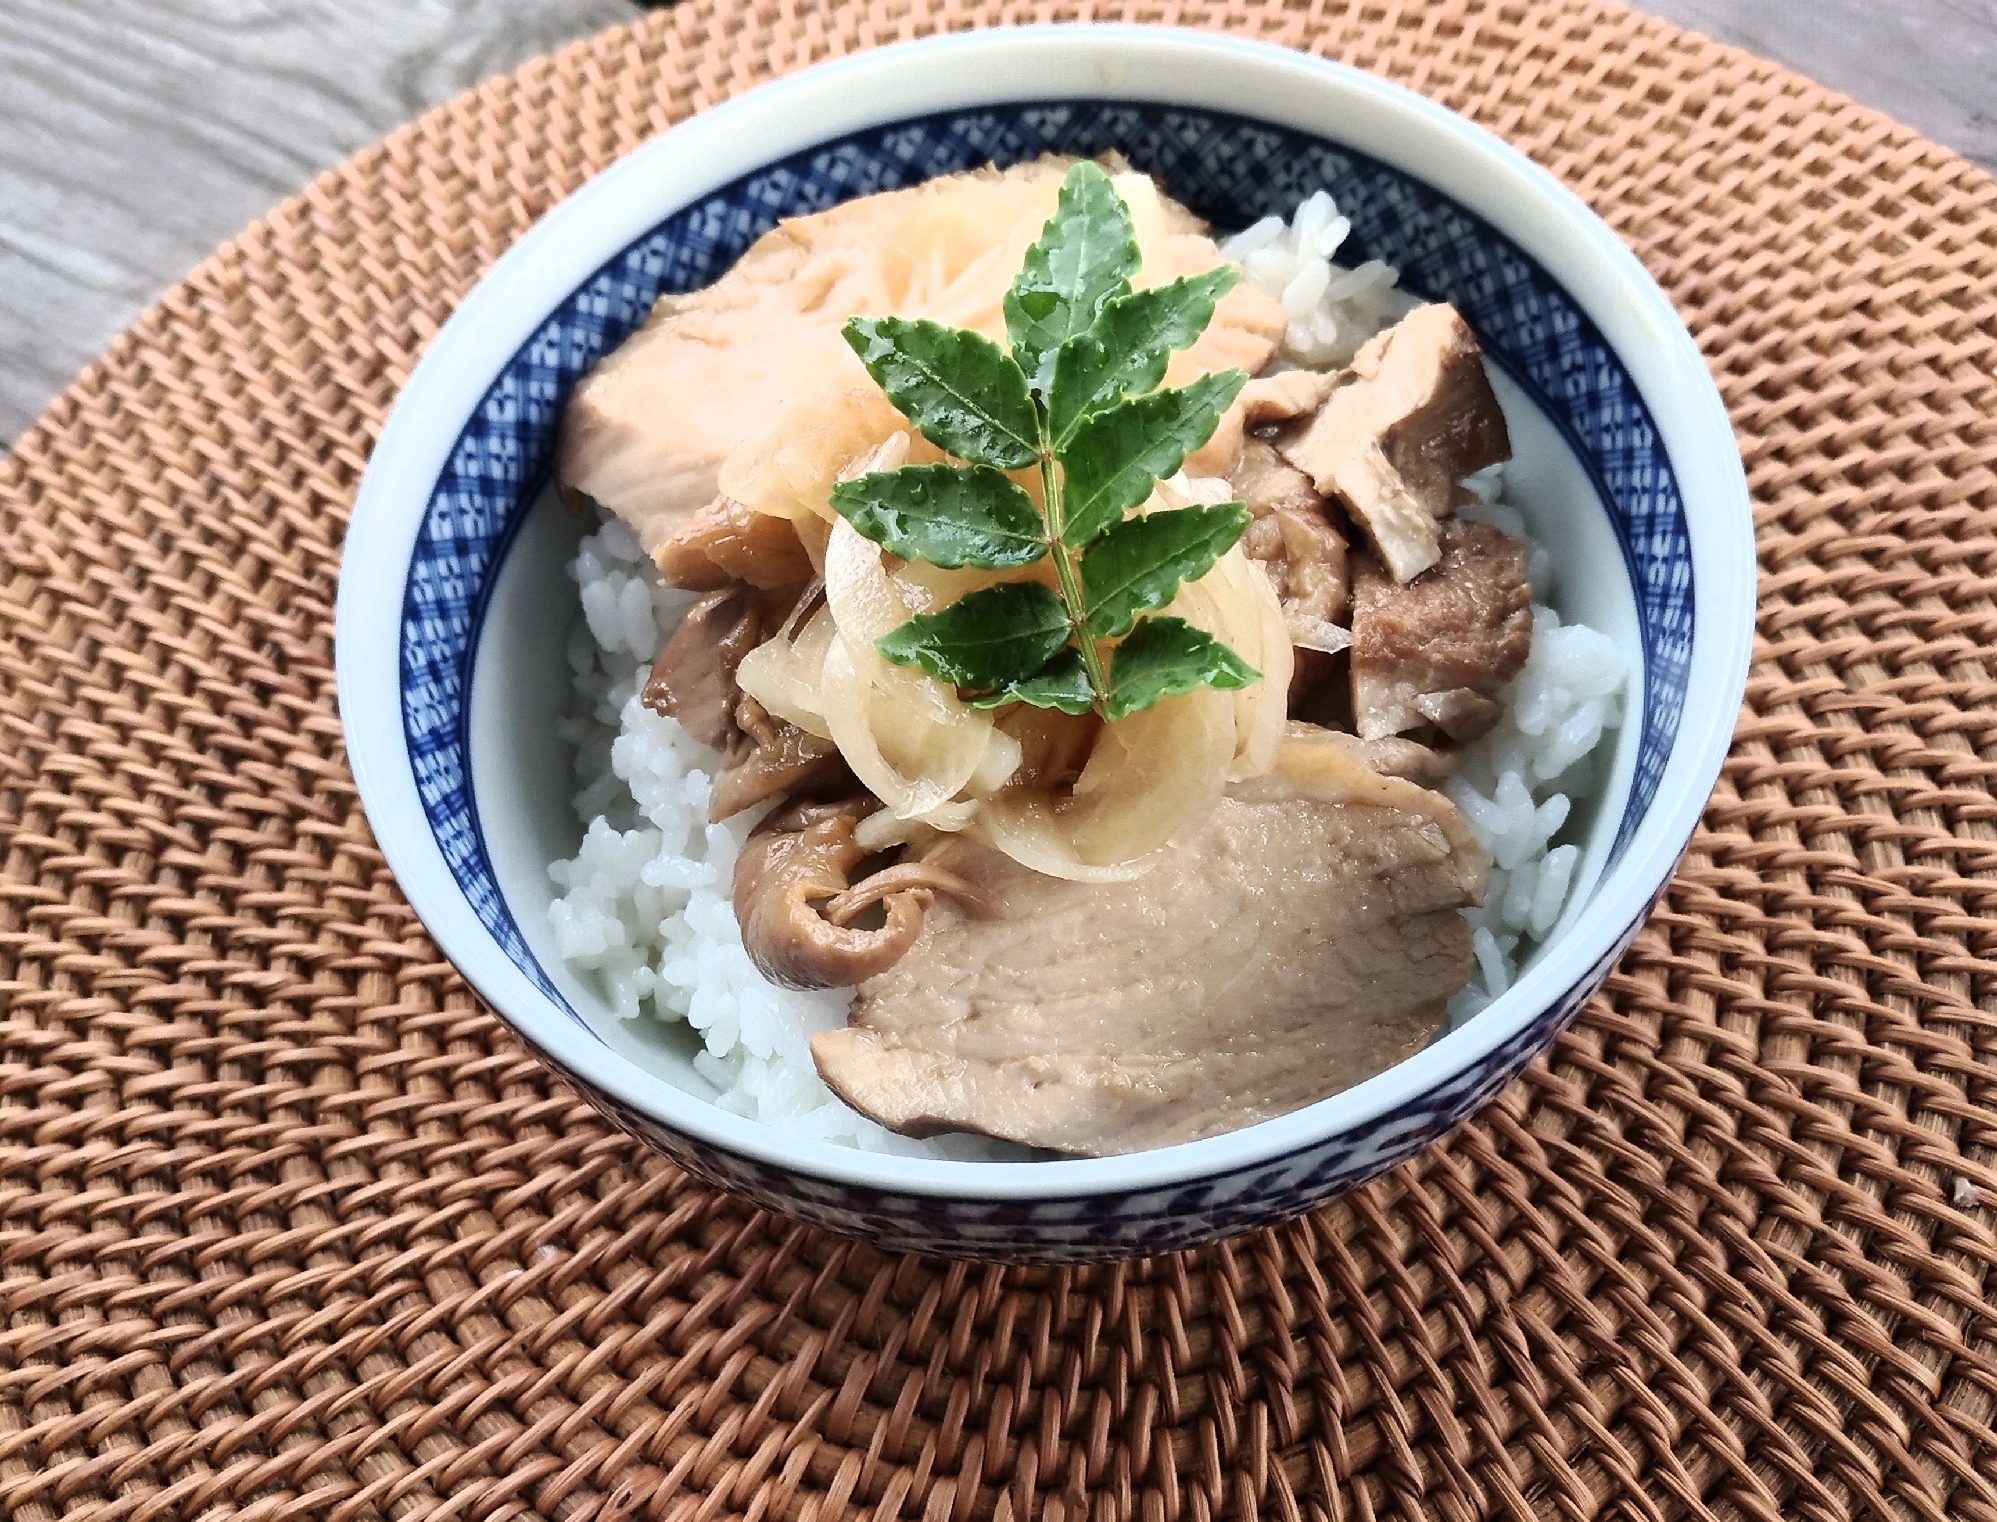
[(289, 1227)]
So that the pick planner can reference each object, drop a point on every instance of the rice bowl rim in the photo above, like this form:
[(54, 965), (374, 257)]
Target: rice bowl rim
[(1152, 65)]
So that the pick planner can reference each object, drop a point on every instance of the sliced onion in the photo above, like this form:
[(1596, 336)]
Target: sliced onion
[(1187, 489), (1263, 710), (882, 831), (785, 675), (1024, 826), (863, 598), (1152, 778), (1002, 757), (789, 469), (1147, 219), (1235, 603), (890, 454), (913, 764), (950, 817)]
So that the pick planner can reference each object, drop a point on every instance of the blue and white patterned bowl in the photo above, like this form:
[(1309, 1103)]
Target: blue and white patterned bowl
[(453, 608)]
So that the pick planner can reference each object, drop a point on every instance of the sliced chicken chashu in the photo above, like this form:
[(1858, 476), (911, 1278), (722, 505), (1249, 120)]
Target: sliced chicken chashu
[(712, 371), (1393, 442), (1306, 938)]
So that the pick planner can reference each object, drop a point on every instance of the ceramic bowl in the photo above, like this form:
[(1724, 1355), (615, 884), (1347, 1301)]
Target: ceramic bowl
[(454, 607)]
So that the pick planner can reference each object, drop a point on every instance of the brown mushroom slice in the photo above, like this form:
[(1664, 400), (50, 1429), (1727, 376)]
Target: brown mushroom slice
[(774, 756), (1292, 537), (727, 542), (693, 680), (1438, 649), (1415, 415), (796, 905)]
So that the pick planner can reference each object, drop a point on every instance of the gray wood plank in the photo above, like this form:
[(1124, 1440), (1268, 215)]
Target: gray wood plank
[(1931, 64), (135, 135)]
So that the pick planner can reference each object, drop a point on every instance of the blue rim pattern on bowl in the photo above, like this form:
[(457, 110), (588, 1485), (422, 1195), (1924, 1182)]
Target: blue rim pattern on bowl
[(1229, 169), (1089, 1228)]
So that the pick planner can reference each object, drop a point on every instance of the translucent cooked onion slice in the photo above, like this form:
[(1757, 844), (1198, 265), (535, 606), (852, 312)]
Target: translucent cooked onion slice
[(1152, 777), (865, 600), (1235, 603), (906, 736), (913, 764), (929, 757), (1025, 826), (786, 676)]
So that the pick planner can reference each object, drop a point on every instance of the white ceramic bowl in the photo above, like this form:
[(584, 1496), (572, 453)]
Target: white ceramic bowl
[(453, 607)]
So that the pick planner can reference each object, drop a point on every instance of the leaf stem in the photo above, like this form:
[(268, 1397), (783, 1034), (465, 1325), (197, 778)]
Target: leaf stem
[(1070, 577)]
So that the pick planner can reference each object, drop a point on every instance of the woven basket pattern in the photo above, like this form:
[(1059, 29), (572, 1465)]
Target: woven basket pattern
[(290, 1228)]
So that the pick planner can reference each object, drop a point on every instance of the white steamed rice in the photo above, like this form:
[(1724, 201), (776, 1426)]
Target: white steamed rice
[(645, 905)]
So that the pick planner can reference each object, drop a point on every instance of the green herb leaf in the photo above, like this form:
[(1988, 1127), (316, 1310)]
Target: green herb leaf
[(1076, 391), (1085, 255), (961, 391), (948, 515), (1117, 455), (1167, 656), (984, 640), (1125, 352), (1139, 563), (1062, 683)]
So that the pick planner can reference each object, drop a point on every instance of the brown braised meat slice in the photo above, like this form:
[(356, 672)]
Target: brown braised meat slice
[(1293, 540), (1436, 650), (799, 911), (693, 680), (1291, 536), (1307, 937), (727, 542), (1414, 416)]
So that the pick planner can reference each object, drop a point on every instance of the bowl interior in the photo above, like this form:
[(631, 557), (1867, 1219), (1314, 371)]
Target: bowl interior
[(487, 606)]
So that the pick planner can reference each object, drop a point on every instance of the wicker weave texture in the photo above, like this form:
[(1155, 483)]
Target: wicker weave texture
[(290, 1228)]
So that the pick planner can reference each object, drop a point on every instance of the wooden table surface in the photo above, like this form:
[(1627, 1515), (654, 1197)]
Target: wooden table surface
[(135, 135)]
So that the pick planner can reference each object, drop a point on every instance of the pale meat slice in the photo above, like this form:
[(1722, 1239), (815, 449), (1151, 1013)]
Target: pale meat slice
[(1437, 650), (1247, 324), (1266, 399), (646, 432), (714, 371), (1306, 938), (1414, 416)]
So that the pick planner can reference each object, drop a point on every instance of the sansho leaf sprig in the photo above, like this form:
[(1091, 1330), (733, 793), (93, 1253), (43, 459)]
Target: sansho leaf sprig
[(1076, 399)]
